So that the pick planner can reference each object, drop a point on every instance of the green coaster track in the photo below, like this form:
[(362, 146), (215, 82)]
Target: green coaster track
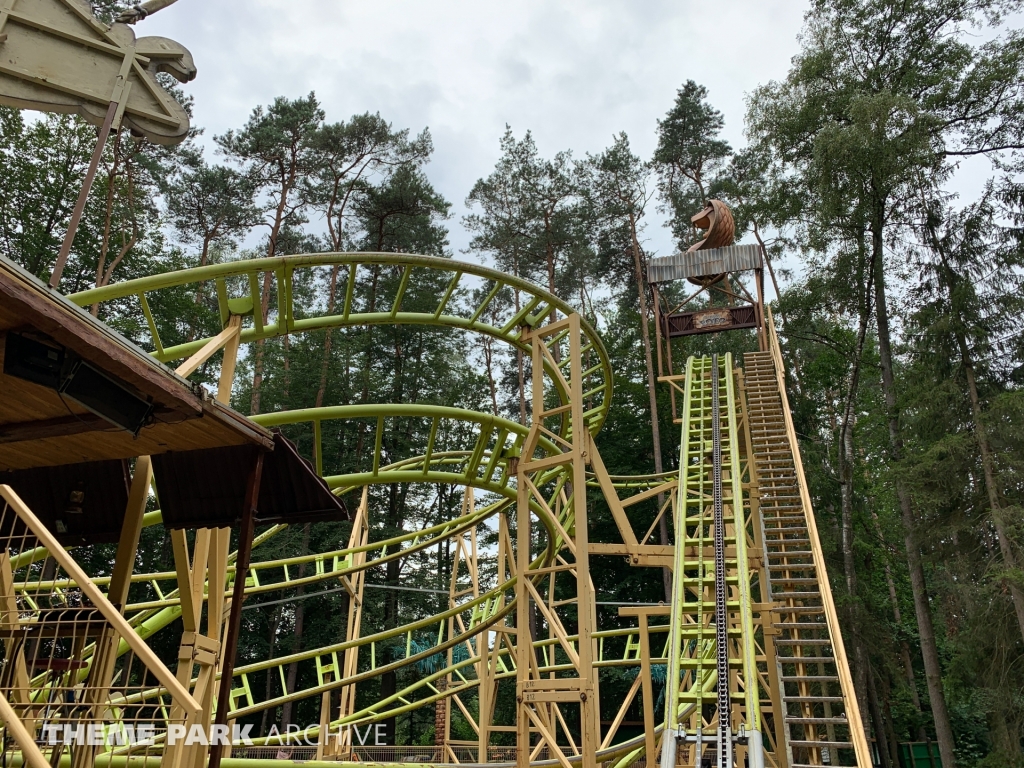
[(483, 465), (462, 297)]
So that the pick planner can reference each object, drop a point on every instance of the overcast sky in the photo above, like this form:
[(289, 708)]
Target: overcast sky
[(574, 73)]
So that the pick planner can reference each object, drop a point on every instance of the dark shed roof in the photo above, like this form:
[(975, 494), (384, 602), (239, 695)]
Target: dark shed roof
[(79, 503), (40, 428), (207, 488), (58, 456), (292, 492)]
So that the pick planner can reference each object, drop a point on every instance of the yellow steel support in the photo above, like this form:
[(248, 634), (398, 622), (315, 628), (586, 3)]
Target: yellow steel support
[(736, 560), (540, 697)]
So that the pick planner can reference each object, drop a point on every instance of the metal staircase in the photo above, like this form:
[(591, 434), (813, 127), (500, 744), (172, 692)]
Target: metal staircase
[(818, 727)]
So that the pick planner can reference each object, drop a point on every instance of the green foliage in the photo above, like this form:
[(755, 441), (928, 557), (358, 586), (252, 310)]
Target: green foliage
[(900, 319), (689, 156), (210, 206), (531, 221), (854, 149), (44, 165)]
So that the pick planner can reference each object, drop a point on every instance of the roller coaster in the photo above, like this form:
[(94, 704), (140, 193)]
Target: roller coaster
[(745, 666)]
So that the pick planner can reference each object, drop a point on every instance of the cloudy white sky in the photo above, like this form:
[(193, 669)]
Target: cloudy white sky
[(572, 72)]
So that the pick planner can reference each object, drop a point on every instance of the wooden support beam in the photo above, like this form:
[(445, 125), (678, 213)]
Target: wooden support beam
[(643, 614), (209, 349), (648, 555), (227, 368), (30, 754), (14, 654), (564, 511), (245, 537), (131, 530), (90, 175), (105, 654)]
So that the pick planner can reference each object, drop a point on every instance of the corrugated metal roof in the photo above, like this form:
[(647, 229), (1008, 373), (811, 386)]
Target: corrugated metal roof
[(714, 261), (206, 489), (79, 503)]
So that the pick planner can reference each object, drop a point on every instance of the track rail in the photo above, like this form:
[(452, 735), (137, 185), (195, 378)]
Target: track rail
[(712, 604), (713, 686), (723, 751), (422, 290)]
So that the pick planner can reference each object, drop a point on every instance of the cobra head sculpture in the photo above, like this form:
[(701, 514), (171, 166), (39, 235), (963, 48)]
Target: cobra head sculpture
[(717, 219)]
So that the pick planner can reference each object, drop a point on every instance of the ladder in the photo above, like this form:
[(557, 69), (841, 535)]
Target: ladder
[(820, 722)]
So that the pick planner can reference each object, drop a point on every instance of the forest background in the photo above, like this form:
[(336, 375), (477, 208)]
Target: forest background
[(899, 306)]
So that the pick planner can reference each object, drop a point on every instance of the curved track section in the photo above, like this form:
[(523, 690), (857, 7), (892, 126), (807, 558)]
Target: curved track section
[(473, 644), (484, 458), (430, 291)]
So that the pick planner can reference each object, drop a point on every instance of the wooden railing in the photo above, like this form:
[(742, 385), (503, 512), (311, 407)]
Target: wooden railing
[(77, 680), (857, 734)]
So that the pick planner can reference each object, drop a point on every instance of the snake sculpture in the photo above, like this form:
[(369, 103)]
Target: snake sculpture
[(717, 219)]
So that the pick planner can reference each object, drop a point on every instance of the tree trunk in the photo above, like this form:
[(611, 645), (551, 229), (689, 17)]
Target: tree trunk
[(257, 379), (325, 360), (652, 393), (108, 216), (890, 730), (394, 523), (257, 367), (521, 371), (845, 460), (988, 467), (275, 619), (520, 361), (877, 723), (556, 349), (203, 257), (287, 344), (1002, 741), (980, 436), (364, 396), (908, 664), (389, 680), (275, 230), (489, 365), (922, 608)]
